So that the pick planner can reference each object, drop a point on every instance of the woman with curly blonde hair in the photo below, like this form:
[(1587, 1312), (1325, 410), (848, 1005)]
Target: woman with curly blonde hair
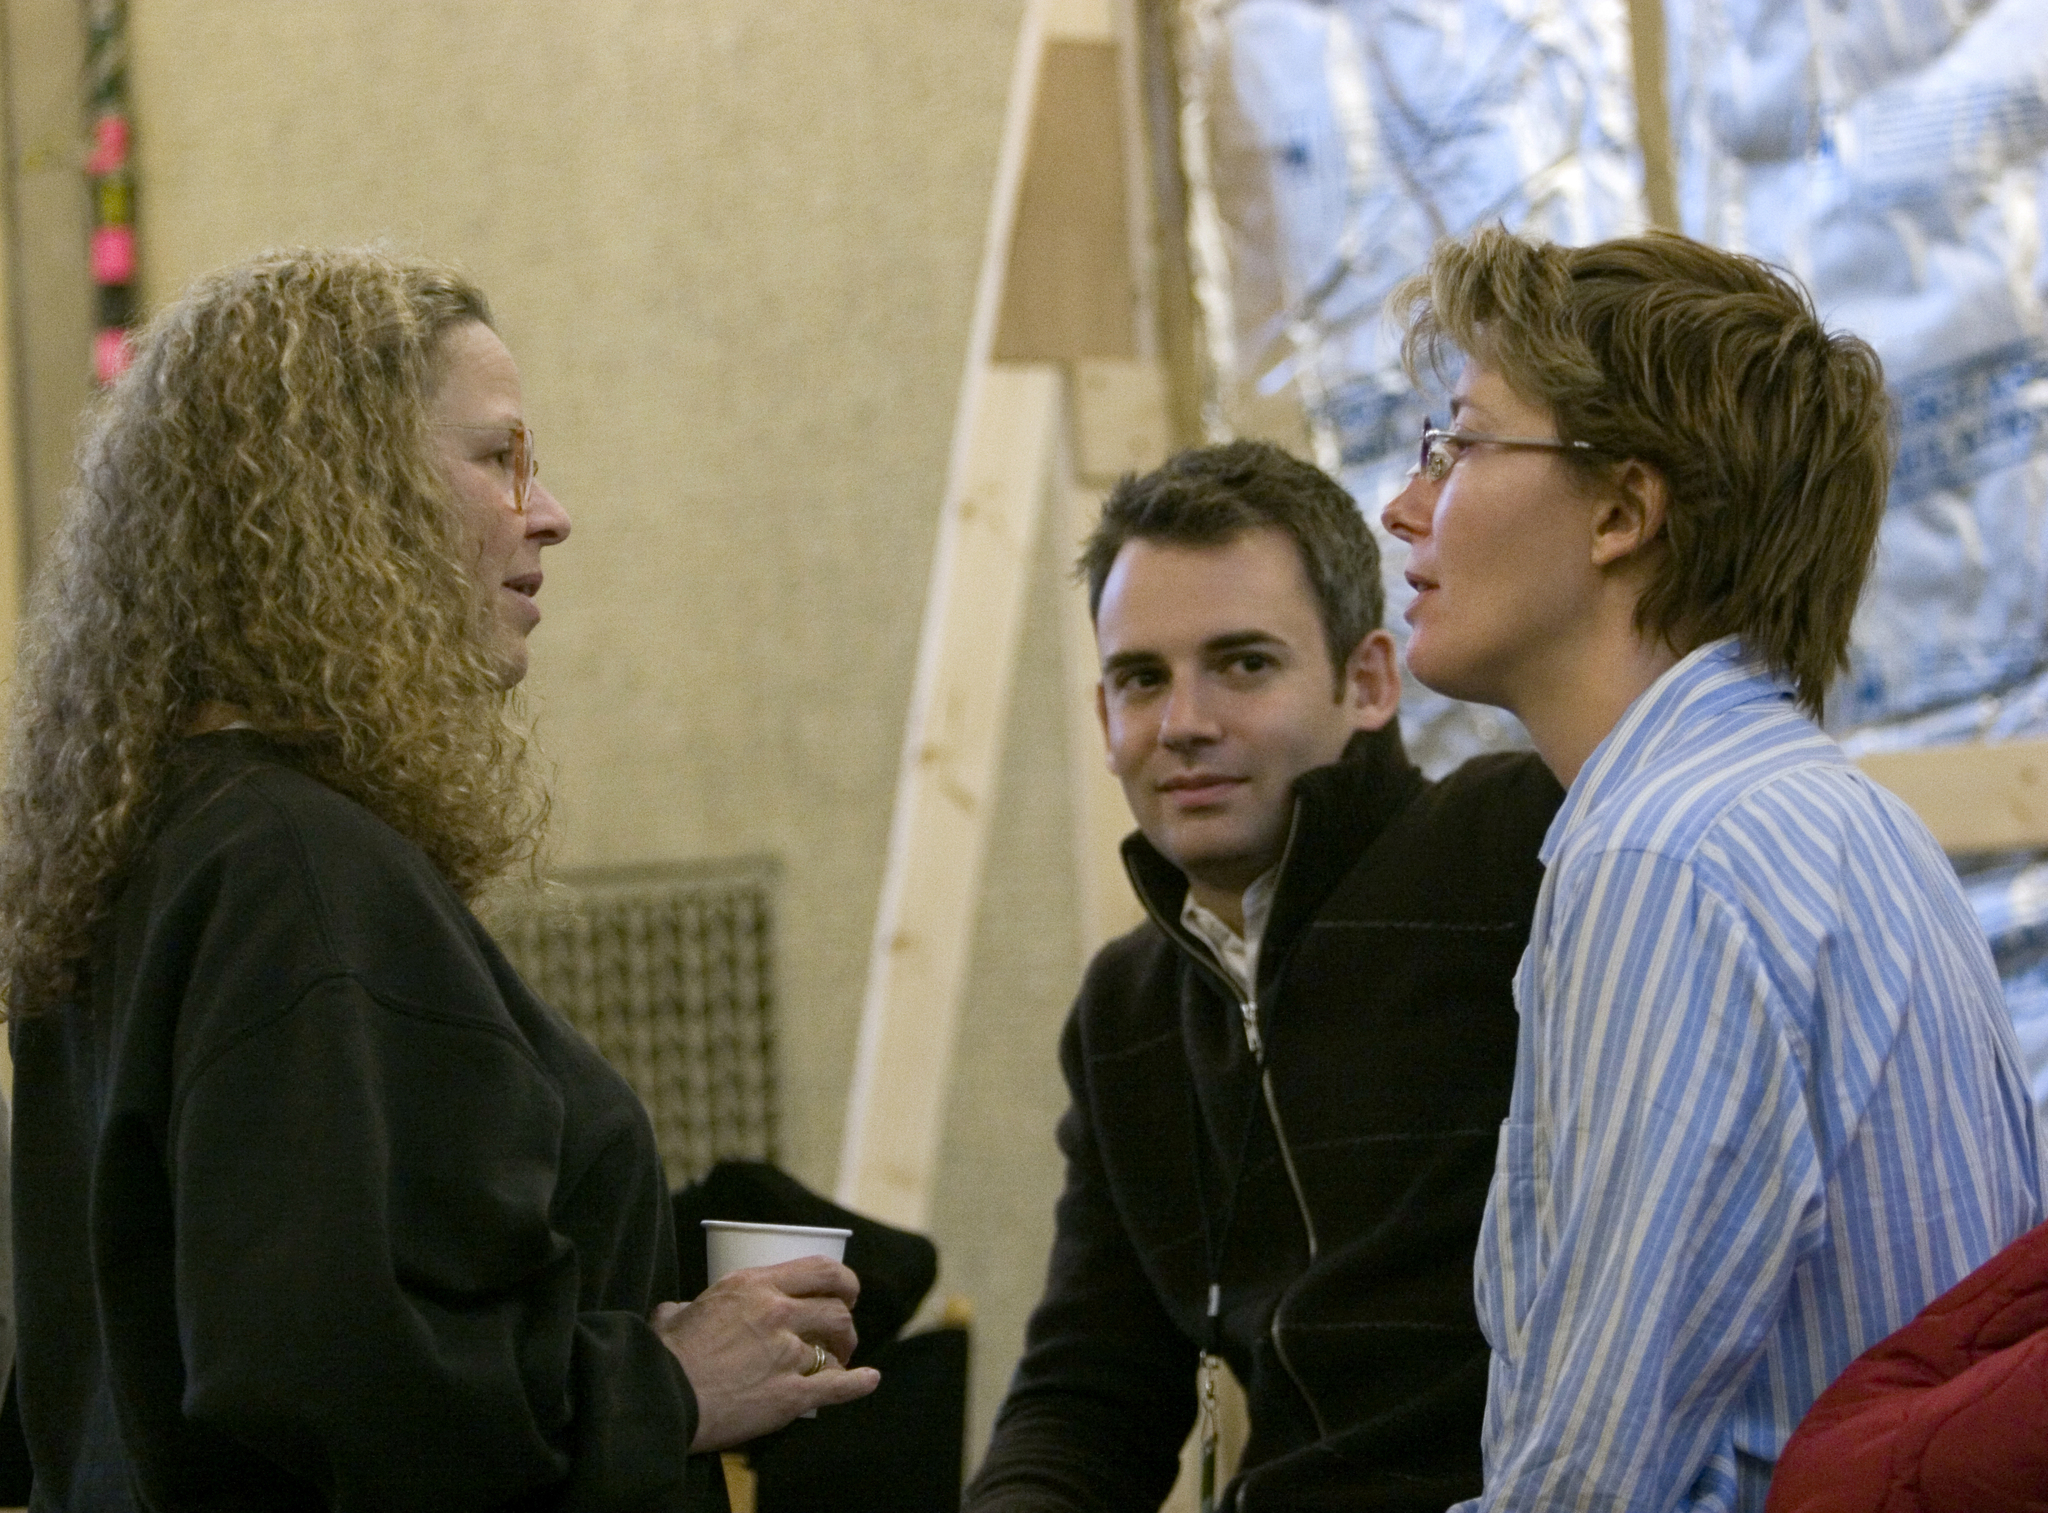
[(316, 1205)]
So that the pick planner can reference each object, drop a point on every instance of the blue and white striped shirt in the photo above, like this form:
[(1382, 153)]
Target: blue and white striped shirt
[(1767, 1103)]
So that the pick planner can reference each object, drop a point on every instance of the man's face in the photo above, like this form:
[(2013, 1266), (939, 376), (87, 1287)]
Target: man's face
[(1217, 692), (1499, 555)]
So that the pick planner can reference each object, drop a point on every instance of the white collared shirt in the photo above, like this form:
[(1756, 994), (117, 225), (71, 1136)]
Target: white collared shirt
[(1237, 954)]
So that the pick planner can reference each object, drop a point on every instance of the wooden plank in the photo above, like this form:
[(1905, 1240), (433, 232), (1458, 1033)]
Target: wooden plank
[(1120, 422), (1011, 156), (1653, 112), (1974, 798), (944, 797), (1079, 21), (1119, 416), (1102, 818), (1168, 319), (1070, 287), (1142, 219), (917, 961), (741, 1484)]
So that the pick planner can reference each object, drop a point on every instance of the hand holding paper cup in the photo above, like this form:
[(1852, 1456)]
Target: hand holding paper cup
[(731, 1245), (749, 1341)]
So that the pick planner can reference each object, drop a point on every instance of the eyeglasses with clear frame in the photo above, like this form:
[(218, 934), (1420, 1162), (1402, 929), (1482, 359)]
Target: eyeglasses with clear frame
[(1434, 462), (525, 460)]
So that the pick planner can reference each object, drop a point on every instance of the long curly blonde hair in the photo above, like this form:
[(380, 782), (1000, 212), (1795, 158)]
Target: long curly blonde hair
[(257, 522)]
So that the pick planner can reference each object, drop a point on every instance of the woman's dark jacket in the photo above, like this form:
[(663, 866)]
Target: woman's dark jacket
[(1387, 1016), (317, 1206)]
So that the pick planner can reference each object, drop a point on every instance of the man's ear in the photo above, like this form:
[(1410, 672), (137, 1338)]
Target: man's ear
[(1102, 719), (1372, 682), (1629, 517)]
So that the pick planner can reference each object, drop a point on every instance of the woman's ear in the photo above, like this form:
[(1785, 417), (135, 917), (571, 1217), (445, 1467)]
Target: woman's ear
[(1629, 517), (1371, 683)]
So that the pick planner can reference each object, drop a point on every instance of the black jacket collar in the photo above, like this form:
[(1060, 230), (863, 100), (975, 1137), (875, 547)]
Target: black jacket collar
[(1339, 811)]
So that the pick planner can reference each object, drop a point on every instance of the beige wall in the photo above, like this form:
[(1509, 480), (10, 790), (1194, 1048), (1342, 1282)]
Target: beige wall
[(734, 247), (50, 309), (13, 513)]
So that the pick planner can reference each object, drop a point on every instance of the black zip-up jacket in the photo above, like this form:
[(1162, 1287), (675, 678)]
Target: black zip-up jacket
[(1386, 1019), (317, 1207)]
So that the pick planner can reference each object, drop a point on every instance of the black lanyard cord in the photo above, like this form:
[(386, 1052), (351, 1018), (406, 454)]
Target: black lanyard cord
[(1214, 1240), (1216, 1237)]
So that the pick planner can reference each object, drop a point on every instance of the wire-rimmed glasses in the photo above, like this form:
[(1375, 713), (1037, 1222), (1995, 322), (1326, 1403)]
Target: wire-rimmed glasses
[(1438, 448), (523, 459)]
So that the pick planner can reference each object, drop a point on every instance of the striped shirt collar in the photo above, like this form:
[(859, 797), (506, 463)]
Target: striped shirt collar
[(1715, 676)]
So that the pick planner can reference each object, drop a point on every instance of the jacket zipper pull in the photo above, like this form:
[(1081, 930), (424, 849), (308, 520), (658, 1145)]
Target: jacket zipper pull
[(1249, 1009)]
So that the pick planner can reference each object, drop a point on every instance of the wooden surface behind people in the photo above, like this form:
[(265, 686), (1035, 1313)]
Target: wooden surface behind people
[(1991, 797), (739, 1481)]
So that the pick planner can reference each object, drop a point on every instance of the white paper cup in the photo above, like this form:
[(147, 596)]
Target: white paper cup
[(733, 1246)]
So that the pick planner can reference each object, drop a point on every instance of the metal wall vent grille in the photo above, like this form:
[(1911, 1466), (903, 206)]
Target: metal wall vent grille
[(670, 973)]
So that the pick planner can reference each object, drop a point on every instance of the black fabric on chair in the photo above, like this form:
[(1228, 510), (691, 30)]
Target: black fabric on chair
[(896, 1268), (897, 1450), (15, 1475)]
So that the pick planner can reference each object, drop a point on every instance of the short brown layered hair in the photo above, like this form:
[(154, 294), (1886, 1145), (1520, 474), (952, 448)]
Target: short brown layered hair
[(1711, 367), (1208, 496)]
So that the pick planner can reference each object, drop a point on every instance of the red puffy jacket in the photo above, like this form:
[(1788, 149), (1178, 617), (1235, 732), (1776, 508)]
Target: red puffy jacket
[(1949, 1415)]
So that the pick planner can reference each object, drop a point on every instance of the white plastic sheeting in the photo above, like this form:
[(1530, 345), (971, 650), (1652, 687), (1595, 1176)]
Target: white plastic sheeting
[(1328, 145), (1891, 153), (1894, 154)]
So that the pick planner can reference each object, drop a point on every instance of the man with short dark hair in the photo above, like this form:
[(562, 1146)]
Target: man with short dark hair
[(1767, 1099), (1286, 1084)]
